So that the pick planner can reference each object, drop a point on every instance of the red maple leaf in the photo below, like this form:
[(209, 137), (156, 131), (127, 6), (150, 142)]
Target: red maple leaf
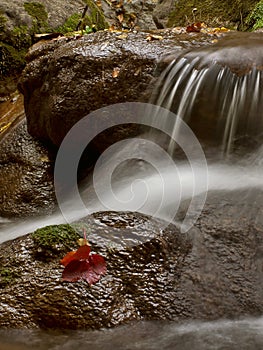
[(194, 27), (81, 265)]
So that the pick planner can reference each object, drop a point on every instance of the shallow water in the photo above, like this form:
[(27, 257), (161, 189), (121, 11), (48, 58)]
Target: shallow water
[(182, 184), (158, 194), (243, 334)]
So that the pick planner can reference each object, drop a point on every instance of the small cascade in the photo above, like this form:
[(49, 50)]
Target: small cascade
[(217, 90)]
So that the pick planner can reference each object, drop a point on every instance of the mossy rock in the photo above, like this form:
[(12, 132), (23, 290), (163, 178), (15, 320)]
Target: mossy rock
[(214, 13), (20, 38), (54, 240), (255, 19), (12, 60), (17, 36), (8, 276), (39, 15), (70, 24), (94, 17), (3, 21)]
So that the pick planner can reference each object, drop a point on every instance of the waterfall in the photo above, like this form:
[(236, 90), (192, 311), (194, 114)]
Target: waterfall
[(218, 90)]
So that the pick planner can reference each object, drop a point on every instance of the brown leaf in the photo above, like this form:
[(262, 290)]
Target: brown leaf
[(120, 17), (195, 27), (151, 37), (115, 72)]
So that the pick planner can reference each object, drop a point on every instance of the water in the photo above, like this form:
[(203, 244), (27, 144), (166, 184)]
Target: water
[(222, 105), (243, 334), (217, 90), (150, 192)]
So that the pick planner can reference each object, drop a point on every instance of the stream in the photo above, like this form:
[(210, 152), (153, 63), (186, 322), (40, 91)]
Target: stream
[(160, 188), (245, 334)]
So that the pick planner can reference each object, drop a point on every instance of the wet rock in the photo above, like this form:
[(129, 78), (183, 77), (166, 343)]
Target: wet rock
[(240, 52), (139, 284), (26, 172), (67, 79), (212, 272)]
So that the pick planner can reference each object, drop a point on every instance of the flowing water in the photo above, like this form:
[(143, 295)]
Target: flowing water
[(243, 334), (223, 103)]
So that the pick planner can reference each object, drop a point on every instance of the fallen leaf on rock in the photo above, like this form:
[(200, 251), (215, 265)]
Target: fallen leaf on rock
[(195, 27), (89, 270), (220, 30), (115, 72), (111, 28), (120, 17), (81, 254), (122, 36), (151, 37), (81, 265)]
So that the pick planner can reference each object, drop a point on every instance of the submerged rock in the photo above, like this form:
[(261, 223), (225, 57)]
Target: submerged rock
[(212, 272)]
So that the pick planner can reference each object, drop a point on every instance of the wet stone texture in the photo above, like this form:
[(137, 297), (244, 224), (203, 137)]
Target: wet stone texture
[(26, 172), (140, 282), (68, 78), (214, 271)]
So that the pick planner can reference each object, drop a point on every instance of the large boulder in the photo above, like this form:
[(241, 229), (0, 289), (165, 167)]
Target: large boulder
[(66, 79), (214, 271)]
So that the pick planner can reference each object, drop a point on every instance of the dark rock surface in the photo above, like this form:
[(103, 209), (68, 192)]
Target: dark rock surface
[(66, 79), (26, 173), (241, 52), (139, 284), (212, 272)]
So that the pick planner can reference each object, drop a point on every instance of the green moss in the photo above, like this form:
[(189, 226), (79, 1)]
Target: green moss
[(12, 60), (70, 24), (92, 20), (212, 12), (39, 15), (54, 237), (3, 21), (94, 17), (20, 37), (56, 240), (255, 19), (7, 276)]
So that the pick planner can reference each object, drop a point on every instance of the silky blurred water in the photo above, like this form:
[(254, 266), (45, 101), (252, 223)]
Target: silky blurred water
[(246, 334)]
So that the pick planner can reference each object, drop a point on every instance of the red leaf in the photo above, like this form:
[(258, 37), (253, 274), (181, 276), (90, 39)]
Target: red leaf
[(82, 253), (98, 264), (97, 268), (74, 270), (67, 258), (89, 270), (80, 265), (194, 27)]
